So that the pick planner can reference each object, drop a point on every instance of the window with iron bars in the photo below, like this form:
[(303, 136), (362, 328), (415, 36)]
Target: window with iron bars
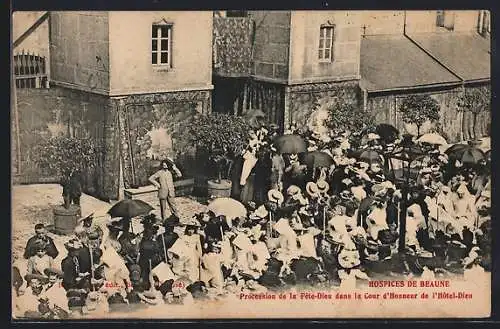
[(30, 70), (161, 45)]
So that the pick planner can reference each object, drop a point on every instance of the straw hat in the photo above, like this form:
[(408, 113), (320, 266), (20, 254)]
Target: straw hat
[(363, 165), (372, 136), (275, 195), (347, 181), (379, 189), (41, 278), (426, 170), (323, 186), (293, 190), (312, 189), (346, 195), (260, 213), (73, 244), (50, 271)]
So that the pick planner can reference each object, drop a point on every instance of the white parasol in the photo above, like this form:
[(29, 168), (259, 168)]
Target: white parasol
[(228, 207)]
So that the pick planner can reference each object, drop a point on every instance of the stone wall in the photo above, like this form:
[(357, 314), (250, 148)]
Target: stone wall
[(44, 113), (455, 122), (302, 101), (271, 44), (79, 48), (148, 124)]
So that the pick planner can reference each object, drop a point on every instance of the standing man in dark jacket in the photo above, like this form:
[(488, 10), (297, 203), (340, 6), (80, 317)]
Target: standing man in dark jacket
[(72, 189), (40, 236)]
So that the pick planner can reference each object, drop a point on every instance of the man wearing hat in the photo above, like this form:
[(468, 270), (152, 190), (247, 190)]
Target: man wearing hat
[(74, 277), (28, 303), (40, 235), (163, 180)]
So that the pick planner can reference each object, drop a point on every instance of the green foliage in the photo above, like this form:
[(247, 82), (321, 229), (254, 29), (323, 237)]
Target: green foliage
[(61, 155), (475, 100), (223, 136), (417, 109), (347, 116)]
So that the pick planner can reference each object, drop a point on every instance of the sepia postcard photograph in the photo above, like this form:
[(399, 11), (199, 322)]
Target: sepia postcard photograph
[(250, 164)]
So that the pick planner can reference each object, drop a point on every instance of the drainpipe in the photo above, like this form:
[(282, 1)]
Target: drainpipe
[(481, 22)]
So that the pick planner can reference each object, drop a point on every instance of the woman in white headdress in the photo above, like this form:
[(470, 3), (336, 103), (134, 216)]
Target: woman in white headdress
[(259, 252), (464, 206), (192, 240), (211, 272), (414, 221), (178, 256), (288, 248), (242, 247)]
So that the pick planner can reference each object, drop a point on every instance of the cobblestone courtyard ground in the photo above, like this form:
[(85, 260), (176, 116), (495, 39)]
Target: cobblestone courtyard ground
[(32, 204)]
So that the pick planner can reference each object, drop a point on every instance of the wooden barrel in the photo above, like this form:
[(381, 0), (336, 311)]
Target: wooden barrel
[(220, 190), (65, 220)]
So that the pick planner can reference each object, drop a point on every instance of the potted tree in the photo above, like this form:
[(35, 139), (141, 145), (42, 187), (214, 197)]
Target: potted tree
[(67, 158), (221, 137)]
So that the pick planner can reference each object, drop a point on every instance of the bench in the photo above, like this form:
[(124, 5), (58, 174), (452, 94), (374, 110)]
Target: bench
[(149, 193)]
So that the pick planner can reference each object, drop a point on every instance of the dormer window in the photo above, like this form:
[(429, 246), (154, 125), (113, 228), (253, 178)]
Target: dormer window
[(325, 51), (161, 44)]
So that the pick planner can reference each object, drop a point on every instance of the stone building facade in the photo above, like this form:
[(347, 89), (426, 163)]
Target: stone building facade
[(287, 79), (443, 54), (125, 79), (373, 59)]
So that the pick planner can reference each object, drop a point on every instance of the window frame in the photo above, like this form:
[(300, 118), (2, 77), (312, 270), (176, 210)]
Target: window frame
[(159, 50), (321, 54), (441, 19)]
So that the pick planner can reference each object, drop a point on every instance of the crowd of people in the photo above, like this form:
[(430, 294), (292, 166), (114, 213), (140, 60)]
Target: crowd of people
[(328, 215)]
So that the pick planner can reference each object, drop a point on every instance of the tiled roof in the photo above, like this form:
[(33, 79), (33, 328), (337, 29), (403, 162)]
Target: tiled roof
[(466, 54), (395, 62)]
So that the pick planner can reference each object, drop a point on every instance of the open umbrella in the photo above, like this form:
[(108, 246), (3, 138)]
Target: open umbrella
[(129, 208), (370, 156), (432, 138), (468, 155), (388, 133), (455, 147), (290, 144), (318, 159), (228, 207)]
